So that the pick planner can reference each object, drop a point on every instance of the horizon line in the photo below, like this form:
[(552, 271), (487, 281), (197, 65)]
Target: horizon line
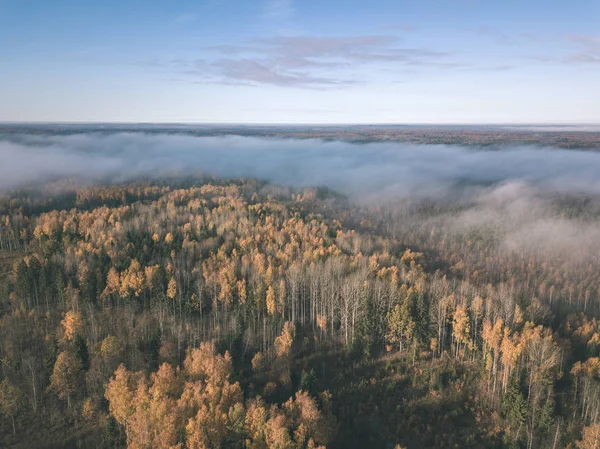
[(207, 123)]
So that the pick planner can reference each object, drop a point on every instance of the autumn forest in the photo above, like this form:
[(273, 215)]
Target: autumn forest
[(206, 313)]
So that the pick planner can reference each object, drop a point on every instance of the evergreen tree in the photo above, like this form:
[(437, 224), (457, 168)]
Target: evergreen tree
[(81, 349), (514, 407), (309, 382), (152, 350)]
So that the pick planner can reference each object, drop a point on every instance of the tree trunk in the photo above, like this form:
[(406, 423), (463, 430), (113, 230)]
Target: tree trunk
[(556, 435)]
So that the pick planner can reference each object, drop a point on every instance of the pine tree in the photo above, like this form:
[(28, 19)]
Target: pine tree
[(309, 382), (365, 334), (81, 349), (514, 407)]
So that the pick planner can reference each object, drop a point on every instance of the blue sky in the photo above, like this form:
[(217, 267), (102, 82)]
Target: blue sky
[(292, 61)]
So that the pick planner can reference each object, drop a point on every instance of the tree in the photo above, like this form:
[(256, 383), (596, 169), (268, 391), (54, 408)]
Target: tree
[(72, 324), (154, 421), (132, 281), (461, 329), (306, 422), (514, 407), (219, 419), (88, 411), (119, 393), (207, 408), (111, 348), (297, 424), (283, 343), (542, 357), (401, 326), (365, 330), (511, 349), (82, 352), (492, 337), (11, 400), (590, 438), (113, 283), (204, 362), (153, 348), (587, 388), (271, 304), (67, 376), (111, 433), (21, 276), (309, 382), (258, 362)]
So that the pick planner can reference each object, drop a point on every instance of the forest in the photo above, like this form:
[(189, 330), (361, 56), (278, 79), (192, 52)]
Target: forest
[(206, 313)]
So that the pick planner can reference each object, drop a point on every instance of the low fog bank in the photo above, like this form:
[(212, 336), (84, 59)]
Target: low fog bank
[(511, 198), (358, 170), (513, 217)]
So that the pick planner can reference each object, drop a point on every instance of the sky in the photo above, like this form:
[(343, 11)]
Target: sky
[(300, 61)]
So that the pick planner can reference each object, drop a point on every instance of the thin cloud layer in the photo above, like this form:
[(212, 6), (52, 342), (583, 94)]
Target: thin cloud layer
[(587, 51), (307, 61)]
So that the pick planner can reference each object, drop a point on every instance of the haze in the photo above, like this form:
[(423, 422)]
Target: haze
[(359, 170)]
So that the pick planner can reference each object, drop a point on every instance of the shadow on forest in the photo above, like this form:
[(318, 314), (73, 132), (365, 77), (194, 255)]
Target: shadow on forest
[(389, 401)]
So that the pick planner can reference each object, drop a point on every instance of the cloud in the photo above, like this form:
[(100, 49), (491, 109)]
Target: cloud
[(315, 49), (587, 53), (495, 68), (589, 41), (582, 58), (510, 39), (360, 170), (315, 61), (399, 27), (321, 46), (251, 71)]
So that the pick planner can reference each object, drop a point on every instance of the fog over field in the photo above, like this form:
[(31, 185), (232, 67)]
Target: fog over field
[(390, 169)]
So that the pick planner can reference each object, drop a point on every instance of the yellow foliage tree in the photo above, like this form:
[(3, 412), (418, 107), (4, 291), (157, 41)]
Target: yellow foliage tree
[(113, 283), (132, 280), (591, 437), (119, 393), (204, 362), (461, 329), (72, 324), (172, 289)]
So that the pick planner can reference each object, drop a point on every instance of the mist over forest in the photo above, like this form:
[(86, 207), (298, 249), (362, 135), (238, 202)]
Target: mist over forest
[(379, 169), (285, 224), (161, 289), (509, 190)]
